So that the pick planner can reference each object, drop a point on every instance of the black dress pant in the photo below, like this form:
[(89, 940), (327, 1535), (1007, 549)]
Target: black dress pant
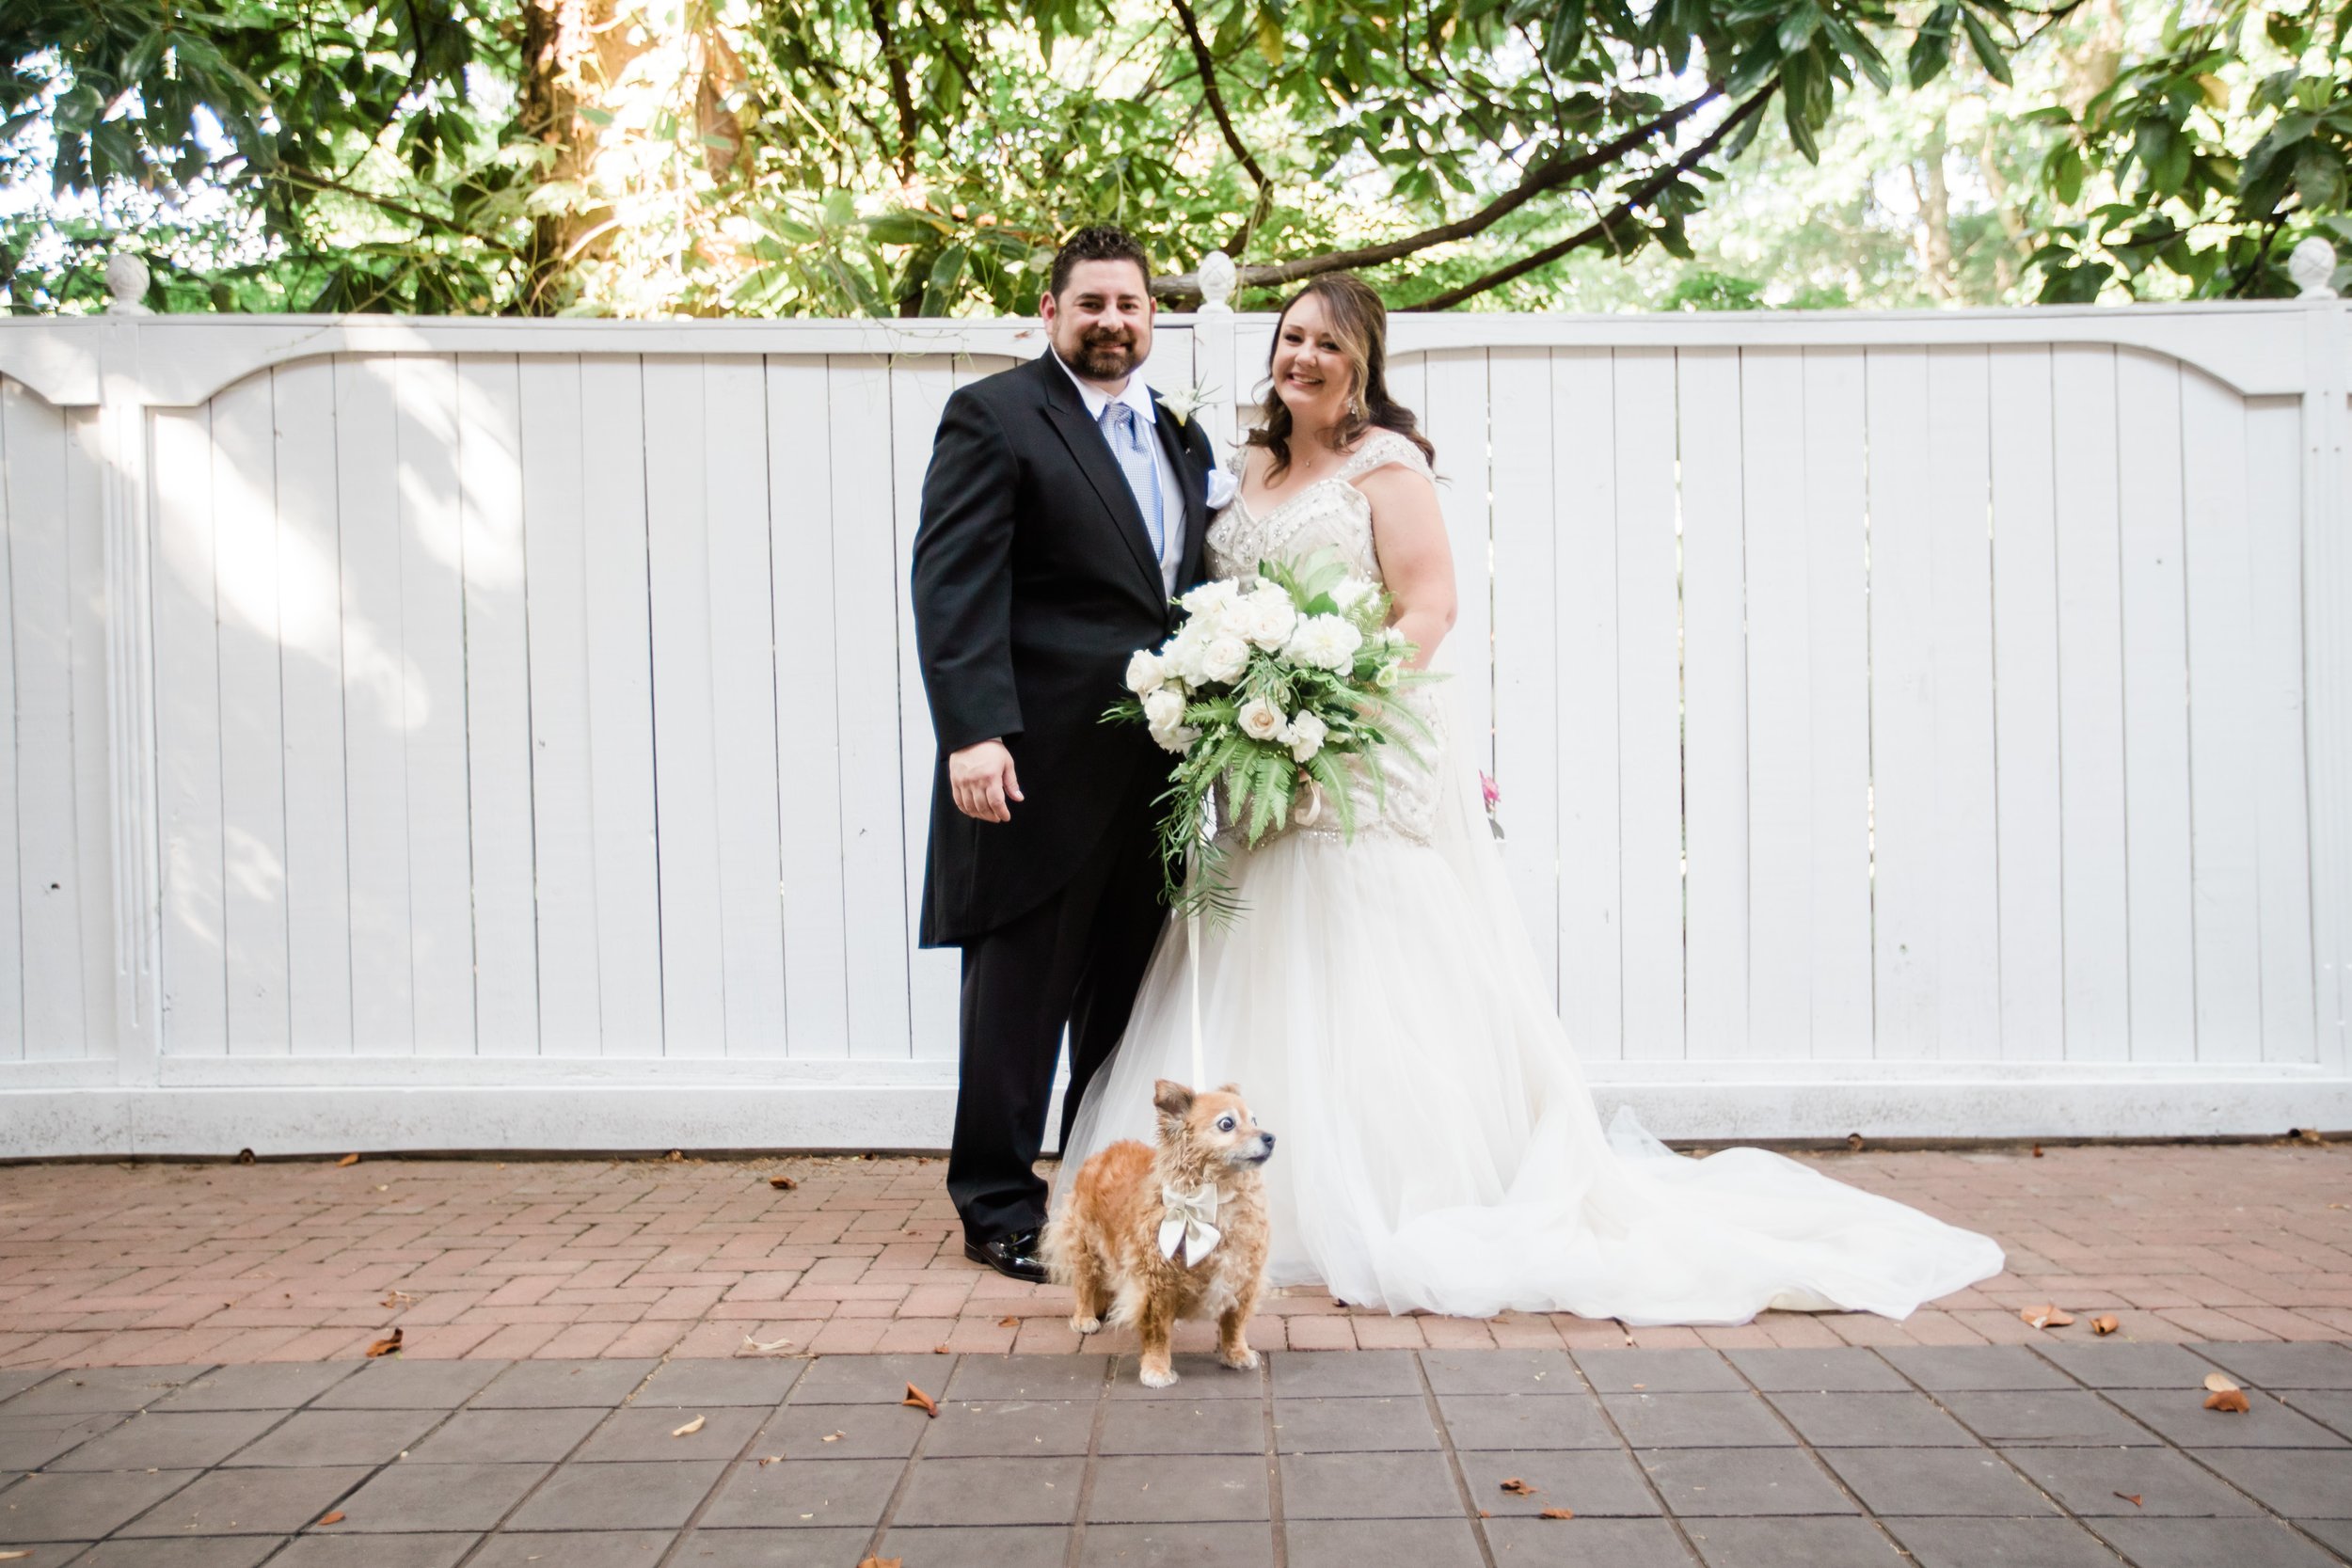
[(1074, 960)]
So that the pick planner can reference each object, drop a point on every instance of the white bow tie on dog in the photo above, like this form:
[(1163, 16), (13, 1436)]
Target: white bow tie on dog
[(1190, 1223)]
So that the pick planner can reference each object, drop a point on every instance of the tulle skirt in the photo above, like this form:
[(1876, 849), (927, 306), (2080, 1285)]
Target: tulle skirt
[(1381, 1010)]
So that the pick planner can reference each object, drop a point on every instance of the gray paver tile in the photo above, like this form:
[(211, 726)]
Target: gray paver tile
[(1353, 1425), (1027, 1377), (1012, 1429), (406, 1498), (993, 1492), (2317, 1364), (15, 1380), (1945, 1368), (1943, 1481), (1218, 1546), (1720, 1482), (2095, 1482), (541, 1385), (1526, 1421), (1167, 1426), (375, 1551), (86, 1389), (247, 1503), (1367, 1486), (395, 1385), (2336, 1533), (261, 1386), (1582, 1542), (1342, 1373), (1872, 1421), (149, 1441), (1807, 1543), (29, 1442), (619, 1549), (1502, 1372), (1660, 1371), (1741, 1421), (864, 1431), (659, 1495), (2330, 1407), (1851, 1369), (2103, 1364), (1353, 1542), (80, 1506), (1132, 1490), (505, 1436), (2001, 1543), (2301, 1483), (2180, 1414), (2052, 1418), (723, 1380), (1198, 1376), (872, 1379), (1592, 1482), (837, 1492), (771, 1548), (638, 1432), (2205, 1543), (1000, 1547), (338, 1437), (56, 1554), (212, 1551)]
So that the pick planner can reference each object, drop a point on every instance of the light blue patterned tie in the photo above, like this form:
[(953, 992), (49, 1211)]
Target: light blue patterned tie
[(1121, 429)]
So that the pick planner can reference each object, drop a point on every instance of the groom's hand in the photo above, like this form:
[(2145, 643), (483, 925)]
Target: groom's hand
[(982, 780)]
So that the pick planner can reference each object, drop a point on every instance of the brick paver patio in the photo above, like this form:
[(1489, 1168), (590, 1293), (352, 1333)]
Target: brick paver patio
[(209, 1263)]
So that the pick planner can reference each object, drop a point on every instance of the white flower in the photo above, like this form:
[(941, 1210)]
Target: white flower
[(1306, 737), (1225, 659), (1145, 672), (1183, 655), (1388, 675), (1176, 738), (1265, 616), (1259, 720), (1351, 592), (1184, 402), (1163, 710), (1210, 597), (1326, 642)]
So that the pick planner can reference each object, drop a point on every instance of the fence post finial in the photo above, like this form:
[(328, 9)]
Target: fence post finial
[(1218, 277), (126, 286), (2313, 265)]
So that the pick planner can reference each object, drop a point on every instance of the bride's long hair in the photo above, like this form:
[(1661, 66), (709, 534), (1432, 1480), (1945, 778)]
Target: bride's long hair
[(1360, 324)]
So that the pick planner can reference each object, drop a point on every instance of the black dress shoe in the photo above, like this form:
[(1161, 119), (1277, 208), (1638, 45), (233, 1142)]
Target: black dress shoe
[(1014, 1257)]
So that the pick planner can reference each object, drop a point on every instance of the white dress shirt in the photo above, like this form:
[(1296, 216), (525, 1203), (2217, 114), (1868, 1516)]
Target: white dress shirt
[(1139, 397)]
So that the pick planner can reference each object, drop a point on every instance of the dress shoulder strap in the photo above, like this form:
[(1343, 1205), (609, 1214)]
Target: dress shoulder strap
[(1380, 449)]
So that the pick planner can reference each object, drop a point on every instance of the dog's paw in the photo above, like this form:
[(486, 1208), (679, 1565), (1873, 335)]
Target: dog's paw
[(1087, 1326), (1245, 1361), (1163, 1379)]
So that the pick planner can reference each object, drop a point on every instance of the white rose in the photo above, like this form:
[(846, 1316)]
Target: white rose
[(1184, 655), (1176, 738), (1259, 720), (1324, 641), (1266, 617), (1145, 672), (1307, 733), (1163, 710), (1225, 659), (1351, 592), (1211, 598)]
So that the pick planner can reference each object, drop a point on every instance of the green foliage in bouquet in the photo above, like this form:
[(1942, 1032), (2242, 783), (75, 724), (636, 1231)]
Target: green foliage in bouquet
[(1261, 693)]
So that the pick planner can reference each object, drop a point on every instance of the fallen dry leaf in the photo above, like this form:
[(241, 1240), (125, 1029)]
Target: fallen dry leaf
[(2310, 1135), (1008, 1322), (2037, 1151), (2220, 1382), (1557, 1513), (768, 1459), (782, 1183), (2131, 1498), (1483, 1514), (921, 1400), (1518, 1488), (690, 1428), (2105, 1323), (766, 1346), (2232, 1401), (2045, 1316), (834, 1436), (393, 1298), (245, 1156), (386, 1347), (348, 1160), (675, 1155), (883, 1562), (1854, 1141), (12, 1557), (334, 1518)]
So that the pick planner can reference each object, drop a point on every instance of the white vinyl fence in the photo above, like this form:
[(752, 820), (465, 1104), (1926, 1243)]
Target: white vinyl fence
[(478, 734)]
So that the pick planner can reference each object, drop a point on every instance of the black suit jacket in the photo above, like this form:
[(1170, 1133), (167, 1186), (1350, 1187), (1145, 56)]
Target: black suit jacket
[(1033, 583)]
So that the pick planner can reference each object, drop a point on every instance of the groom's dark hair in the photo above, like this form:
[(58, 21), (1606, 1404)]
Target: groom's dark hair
[(1100, 242)]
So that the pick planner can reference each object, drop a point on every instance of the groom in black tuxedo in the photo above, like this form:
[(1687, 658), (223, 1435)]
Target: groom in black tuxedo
[(1064, 510)]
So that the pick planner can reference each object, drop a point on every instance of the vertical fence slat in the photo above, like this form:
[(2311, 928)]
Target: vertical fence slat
[(807, 663), (311, 660), (1456, 424), (2025, 690), (1527, 637), (11, 905), (2275, 677), (1585, 522), (918, 393), (631, 938), (2155, 714), (48, 889), (87, 608), (1836, 505), (1902, 705), (1778, 799), (1649, 705), (1715, 700)]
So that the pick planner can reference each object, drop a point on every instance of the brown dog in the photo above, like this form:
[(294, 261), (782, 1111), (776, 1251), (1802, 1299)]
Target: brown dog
[(1150, 1236)]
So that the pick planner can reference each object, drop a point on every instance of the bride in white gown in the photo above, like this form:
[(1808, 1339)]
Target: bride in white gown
[(1381, 1007)]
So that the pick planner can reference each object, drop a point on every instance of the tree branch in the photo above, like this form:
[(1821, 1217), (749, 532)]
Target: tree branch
[(1545, 174), (1640, 196), (899, 95), (1207, 67)]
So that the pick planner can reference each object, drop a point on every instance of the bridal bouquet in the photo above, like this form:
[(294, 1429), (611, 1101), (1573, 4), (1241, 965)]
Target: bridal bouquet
[(1265, 693)]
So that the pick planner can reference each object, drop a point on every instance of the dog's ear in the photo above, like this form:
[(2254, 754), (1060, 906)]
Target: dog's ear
[(1171, 1097), (1233, 1089)]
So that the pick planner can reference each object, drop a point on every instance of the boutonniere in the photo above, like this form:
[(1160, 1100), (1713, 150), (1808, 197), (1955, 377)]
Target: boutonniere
[(1184, 402)]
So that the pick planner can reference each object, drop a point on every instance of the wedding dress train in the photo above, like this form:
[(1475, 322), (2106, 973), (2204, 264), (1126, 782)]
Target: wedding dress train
[(1382, 1009)]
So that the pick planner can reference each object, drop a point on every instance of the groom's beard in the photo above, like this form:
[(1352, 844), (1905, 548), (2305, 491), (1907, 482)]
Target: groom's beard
[(1105, 355)]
